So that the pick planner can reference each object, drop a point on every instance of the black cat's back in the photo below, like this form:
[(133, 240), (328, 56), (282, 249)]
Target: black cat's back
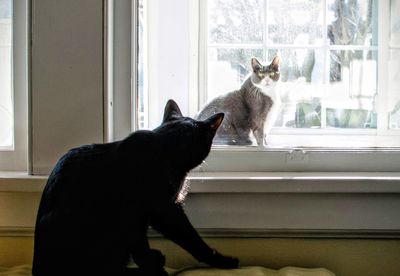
[(68, 209), (78, 170), (82, 223)]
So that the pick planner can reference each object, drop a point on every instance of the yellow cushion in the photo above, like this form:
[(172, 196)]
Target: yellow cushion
[(253, 271), (25, 270), (21, 270)]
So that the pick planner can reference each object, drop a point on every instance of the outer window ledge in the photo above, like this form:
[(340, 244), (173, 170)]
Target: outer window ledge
[(21, 182), (250, 182), (294, 182)]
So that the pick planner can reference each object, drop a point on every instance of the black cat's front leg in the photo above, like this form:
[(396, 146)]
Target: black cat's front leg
[(151, 263), (172, 222)]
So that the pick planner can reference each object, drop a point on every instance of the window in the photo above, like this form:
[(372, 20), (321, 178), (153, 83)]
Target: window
[(339, 75), (13, 85), (328, 71)]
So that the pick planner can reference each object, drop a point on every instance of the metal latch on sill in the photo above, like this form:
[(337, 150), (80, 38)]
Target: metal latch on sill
[(297, 156)]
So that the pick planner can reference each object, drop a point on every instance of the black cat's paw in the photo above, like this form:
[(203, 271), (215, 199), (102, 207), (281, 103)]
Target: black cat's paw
[(153, 259), (220, 261), (154, 272), (145, 272)]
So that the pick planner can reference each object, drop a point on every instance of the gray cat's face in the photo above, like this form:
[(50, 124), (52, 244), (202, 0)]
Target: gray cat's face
[(265, 74)]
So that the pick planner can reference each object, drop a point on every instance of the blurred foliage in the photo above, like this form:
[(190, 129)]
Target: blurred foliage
[(242, 21), (238, 21), (308, 114), (394, 117), (349, 118)]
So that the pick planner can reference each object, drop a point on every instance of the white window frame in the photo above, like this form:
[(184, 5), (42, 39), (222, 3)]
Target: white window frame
[(315, 159), (283, 159), (119, 99), (16, 158), (383, 40)]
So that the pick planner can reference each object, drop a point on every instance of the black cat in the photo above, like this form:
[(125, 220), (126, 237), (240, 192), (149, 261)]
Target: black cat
[(100, 199)]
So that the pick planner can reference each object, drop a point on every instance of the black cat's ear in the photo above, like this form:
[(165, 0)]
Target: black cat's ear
[(255, 64), (171, 111), (275, 63), (215, 121)]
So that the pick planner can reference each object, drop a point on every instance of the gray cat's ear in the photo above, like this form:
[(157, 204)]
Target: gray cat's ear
[(275, 63), (215, 121), (255, 64), (171, 111)]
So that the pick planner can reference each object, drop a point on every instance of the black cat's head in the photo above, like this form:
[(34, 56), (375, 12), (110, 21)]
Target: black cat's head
[(267, 74), (187, 141)]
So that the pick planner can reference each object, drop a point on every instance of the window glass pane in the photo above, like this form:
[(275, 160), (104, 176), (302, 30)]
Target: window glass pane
[(142, 82), (394, 89), (394, 67), (351, 95), (320, 88), (301, 87), (163, 66), (236, 21), (227, 69), (395, 22), (305, 65), (295, 22), (352, 22), (6, 104)]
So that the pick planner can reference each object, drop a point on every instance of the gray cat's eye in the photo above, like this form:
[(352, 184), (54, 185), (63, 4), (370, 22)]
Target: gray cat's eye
[(273, 74)]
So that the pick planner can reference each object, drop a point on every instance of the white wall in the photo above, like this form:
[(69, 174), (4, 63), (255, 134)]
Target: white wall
[(67, 78), (67, 59)]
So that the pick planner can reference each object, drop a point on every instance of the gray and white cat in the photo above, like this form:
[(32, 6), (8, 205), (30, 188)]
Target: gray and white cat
[(252, 108)]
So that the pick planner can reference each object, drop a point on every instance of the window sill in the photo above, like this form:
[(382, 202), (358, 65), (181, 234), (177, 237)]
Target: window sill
[(250, 182), (21, 182), (294, 182), (296, 204)]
